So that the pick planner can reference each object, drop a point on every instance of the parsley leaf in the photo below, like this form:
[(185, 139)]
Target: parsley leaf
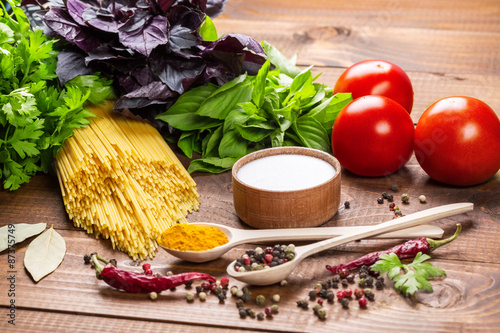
[(408, 278), (37, 113)]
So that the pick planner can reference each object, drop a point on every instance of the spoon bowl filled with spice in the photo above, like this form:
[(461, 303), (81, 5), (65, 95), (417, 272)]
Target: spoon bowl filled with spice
[(202, 242), (272, 275)]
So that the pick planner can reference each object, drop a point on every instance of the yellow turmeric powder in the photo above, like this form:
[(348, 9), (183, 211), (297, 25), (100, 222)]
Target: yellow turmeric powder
[(190, 237)]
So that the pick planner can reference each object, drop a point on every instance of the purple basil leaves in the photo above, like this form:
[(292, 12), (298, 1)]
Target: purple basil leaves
[(152, 49)]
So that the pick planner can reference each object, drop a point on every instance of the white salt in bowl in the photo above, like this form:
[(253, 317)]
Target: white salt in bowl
[(286, 187)]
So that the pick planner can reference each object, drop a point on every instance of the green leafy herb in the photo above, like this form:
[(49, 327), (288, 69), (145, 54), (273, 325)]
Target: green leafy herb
[(408, 278), (36, 113), (280, 106)]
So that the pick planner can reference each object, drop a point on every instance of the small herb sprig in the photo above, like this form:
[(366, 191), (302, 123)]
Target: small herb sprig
[(408, 278)]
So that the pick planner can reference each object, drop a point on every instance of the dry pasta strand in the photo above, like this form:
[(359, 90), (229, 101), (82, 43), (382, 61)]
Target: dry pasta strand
[(121, 181)]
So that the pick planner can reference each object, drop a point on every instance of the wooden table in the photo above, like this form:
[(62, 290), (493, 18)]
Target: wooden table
[(447, 47)]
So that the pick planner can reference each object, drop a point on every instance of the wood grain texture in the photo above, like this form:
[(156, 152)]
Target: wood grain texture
[(430, 36), (447, 48)]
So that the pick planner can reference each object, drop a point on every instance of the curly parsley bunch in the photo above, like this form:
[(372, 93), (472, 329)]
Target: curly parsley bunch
[(36, 113)]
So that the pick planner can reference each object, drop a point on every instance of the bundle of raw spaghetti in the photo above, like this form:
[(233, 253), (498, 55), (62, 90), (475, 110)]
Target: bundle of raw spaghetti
[(120, 180)]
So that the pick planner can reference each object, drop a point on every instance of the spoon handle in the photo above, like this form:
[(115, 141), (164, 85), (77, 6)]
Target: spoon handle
[(241, 236), (407, 221)]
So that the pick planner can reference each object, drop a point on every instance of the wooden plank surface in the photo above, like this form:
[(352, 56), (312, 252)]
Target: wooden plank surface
[(448, 48)]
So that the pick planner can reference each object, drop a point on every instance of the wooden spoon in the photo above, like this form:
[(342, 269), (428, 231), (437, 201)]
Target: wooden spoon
[(242, 236), (278, 273)]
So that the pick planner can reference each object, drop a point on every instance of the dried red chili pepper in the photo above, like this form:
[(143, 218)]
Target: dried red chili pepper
[(403, 251), (141, 283)]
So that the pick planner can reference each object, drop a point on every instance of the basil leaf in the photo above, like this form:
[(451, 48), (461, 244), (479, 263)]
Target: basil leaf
[(212, 164), (232, 145), (255, 133), (208, 31), (186, 143), (259, 87), (182, 115), (337, 103), (311, 133), (211, 148), (218, 105), (280, 61)]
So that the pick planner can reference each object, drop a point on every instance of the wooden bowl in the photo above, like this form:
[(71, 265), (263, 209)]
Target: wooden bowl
[(265, 207)]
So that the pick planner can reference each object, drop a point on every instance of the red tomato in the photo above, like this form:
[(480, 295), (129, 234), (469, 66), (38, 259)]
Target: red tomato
[(457, 141), (377, 77), (373, 136)]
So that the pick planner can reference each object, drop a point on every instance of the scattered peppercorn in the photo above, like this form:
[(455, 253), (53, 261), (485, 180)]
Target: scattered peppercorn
[(146, 266), (340, 294), (347, 292), (405, 198), (390, 198), (359, 293), (240, 304), (283, 283), (380, 200), (369, 294), (268, 311), (304, 304), (344, 283), (250, 313), (362, 302), (369, 281), (190, 297), (243, 313), (260, 300), (321, 313), (394, 187), (202, 296), (422, 199), (275, 308), (221, 297), (344, 302), (347, 204), (276, 298), (343, 273), (261, 316), (330, 296), (350, 278), (224, 282), (153, 295)]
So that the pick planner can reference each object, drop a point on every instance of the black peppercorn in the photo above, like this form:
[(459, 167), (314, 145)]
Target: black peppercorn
[(312, 295), (303, 304), (330, 296), (369, 281), (344, 302), (380, 200)]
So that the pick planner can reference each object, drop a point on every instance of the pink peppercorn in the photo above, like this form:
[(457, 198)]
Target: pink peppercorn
[(362, 302)]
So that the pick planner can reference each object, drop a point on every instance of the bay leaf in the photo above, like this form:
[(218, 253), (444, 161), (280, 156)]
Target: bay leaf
[(44, 254), (18, 232)]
